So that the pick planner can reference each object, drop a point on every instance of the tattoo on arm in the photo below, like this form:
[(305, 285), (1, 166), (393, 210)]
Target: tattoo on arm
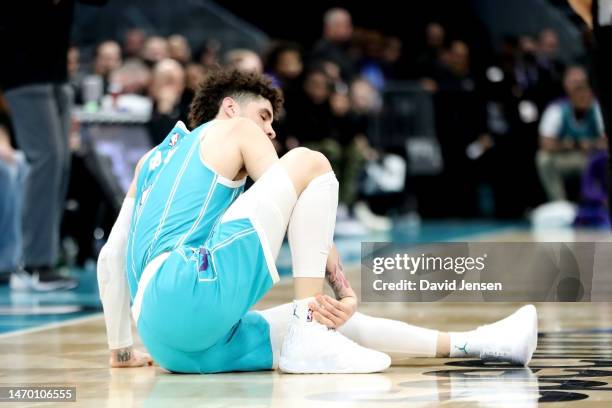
[(338, 282), (124, 355)]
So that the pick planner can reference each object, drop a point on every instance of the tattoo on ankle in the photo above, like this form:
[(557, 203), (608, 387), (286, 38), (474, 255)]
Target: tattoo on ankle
[(124, 355), (337, 281)]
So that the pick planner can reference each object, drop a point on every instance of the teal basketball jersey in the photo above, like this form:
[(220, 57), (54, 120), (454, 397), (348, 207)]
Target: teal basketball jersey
[(179, 200)]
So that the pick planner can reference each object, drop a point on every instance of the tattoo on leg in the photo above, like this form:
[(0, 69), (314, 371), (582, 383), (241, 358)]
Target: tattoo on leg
[(337, 281), (124, 355)]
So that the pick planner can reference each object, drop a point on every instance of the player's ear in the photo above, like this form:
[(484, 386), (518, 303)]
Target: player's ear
[(230, 107)]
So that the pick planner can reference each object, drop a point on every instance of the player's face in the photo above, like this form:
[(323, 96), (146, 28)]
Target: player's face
[(259, 110)]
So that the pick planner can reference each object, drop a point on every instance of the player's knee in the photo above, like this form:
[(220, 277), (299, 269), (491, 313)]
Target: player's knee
[(307, 163), (320, 164), (299, 153)]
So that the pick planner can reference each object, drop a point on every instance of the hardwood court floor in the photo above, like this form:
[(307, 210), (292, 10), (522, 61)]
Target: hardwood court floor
[(572, 366)]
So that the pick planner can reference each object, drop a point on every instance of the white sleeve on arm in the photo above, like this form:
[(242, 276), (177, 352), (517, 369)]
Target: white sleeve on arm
[(112, 280), (550, 125)]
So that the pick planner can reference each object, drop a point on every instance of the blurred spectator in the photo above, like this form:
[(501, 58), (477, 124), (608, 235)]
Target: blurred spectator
[(194, 75), (133, 43), (349, 158), (321, 119), (462, 127), (334, 46), (129, 84), (309, 112), (371, 63), (169, 103), (107, 59), (284, 64), (13, 171), (435, 40), (526, 70), (133, 77), (457, 75), (209, 56), (332, 70), (365, 99), (155, 49), (550, 64), (391, 55), (548, 50), (179, 49), (75, 75), (243, 60), (569, 131)]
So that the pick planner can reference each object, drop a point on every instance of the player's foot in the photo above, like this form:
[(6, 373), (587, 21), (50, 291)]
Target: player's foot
[(40, 280), (513, 339), (309, 347)]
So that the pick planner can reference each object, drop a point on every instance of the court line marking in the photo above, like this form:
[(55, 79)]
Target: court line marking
[(53, 325)]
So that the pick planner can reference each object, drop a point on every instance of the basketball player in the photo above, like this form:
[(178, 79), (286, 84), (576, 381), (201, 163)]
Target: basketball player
[(195, 254)]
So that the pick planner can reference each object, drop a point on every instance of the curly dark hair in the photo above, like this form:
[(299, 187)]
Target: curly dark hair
[(223, 83)]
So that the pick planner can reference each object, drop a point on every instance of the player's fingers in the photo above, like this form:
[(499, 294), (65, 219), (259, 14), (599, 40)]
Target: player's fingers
[(337, 304), (328, 312), (323, 320), (331, 316), (320, 308), (333, 309)]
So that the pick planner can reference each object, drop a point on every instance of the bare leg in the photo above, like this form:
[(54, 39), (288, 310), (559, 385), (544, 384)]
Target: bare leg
[(307, 287), (443, 345)]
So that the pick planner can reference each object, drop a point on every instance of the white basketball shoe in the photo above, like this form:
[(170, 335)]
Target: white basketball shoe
[(513, 339), (311, 348)]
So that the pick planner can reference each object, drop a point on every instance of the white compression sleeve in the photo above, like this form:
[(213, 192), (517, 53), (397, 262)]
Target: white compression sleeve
[(311, 226), (112, 281), (400, 340)]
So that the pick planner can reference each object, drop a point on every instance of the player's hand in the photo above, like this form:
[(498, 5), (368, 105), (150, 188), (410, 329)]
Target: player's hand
[(331, 312), (129, 357)]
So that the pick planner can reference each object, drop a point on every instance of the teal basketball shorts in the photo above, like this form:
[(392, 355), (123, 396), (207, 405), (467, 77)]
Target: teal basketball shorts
[(192, 303)]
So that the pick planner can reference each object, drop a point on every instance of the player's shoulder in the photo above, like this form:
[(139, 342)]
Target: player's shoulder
[(177, 134), (143, 159)]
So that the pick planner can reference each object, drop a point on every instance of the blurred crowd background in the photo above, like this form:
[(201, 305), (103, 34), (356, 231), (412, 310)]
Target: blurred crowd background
[(442, 113)]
